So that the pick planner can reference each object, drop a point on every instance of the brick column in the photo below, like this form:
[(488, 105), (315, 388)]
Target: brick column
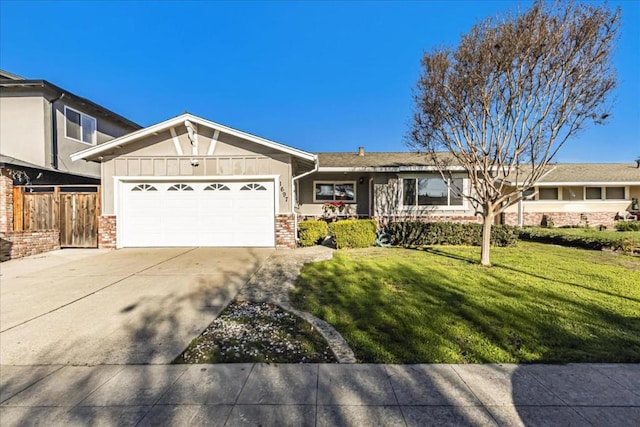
[(6, 202), (107, 227), (285, 231)]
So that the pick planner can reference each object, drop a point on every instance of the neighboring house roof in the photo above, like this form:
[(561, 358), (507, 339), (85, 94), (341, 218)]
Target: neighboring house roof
[(94, 152), (589, 173), (375, 162), (8, 80)]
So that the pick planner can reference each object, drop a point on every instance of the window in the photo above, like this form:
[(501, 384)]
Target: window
[(144, 187), (432, 192), (180, 187), (216, 187), (593, 193), (614, 193), (335, 191), (572, 193), (79, 126), (253, 187), (548, 193)]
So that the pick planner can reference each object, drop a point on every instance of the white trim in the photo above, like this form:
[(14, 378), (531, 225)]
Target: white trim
[(179, 120), (176, 141), (387, 169), (214, 141), (334, 183), (94, 136), (587, 184)]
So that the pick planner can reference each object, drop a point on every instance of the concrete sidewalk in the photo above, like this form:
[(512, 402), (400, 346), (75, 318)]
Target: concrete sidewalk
[(321, 395)]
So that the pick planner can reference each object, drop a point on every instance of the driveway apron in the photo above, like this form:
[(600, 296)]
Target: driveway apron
[(128, 306)]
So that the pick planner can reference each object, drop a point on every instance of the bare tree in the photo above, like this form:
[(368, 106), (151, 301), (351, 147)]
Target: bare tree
[(512, 93)]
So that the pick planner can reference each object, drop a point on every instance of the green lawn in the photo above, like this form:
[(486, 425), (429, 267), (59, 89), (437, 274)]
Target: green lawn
[(538, 303)]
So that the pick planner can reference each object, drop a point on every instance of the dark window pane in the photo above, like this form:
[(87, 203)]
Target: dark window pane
[(324, 192), (73, 124), (344, 192), (409, 192), (432, 192), (456, 192), (594, 193), (572, 193), (548, 193), (615, 193)]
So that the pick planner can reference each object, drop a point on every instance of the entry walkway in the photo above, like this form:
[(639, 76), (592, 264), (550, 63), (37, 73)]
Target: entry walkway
[(321, 395)]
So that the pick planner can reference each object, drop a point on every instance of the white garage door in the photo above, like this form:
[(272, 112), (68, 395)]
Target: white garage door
[(197, 214)]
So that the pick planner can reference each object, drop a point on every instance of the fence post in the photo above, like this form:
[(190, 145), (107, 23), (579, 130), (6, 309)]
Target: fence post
[(18, 213)]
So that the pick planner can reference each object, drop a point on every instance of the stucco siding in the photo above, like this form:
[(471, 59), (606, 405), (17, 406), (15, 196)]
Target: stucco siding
[(105, 131), (22, 129)]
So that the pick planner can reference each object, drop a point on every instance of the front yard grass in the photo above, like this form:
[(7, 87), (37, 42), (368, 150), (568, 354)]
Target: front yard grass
[(538, 303)]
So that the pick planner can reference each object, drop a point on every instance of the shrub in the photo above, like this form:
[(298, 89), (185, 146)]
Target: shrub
[(628, 225), (587, 238), (312, 232), (354, 233), (449, 233)]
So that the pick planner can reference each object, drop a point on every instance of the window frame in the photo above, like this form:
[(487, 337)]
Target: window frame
[(449, 207), (82, 115), (334, 183), (558, 194)]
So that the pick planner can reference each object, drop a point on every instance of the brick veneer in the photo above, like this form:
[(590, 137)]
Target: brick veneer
[(285, 231), (107, 227), (433, 218), (18, 244), (560, 219)]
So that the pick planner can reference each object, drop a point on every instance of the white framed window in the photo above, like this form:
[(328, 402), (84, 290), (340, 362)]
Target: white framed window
[(593, 193), (79, 126), (548, 193), (432, 190), (614, 193), (334, 191)]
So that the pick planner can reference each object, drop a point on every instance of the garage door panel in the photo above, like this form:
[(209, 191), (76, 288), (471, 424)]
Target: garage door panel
[(200, 217)]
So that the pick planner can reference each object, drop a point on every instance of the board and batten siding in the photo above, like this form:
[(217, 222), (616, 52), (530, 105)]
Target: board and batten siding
[(157, 156)]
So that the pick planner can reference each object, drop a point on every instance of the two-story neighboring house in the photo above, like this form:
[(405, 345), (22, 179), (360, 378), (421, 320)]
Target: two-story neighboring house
[(41, 125)]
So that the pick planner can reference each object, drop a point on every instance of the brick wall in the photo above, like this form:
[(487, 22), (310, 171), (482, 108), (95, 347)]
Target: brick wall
[(285, 231), (563, 218), (107, 227), (6, 202), (18, 244), (433, 218)]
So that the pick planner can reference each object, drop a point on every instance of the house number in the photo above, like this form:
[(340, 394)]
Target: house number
[(283, 193)]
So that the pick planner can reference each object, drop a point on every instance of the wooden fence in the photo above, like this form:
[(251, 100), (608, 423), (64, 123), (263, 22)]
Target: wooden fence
[(71, 209)]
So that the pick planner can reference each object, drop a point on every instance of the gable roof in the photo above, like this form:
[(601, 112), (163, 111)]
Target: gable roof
[(94, 152)]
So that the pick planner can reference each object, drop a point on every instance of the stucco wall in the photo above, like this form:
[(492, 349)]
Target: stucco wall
[(157, 156), (106, 131), (22, 128)]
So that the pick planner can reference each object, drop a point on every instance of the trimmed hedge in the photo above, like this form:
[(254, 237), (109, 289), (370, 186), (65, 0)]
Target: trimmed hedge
[(628, 225), (354, 233), (312, 232), (586, 238), (413, 233)]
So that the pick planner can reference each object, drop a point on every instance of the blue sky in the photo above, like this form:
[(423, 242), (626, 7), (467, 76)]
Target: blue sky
[(320, 76)]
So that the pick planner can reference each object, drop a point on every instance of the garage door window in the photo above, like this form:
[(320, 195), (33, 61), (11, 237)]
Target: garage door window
[(144, 187), (180, 187), (253, 187), (216, 187)]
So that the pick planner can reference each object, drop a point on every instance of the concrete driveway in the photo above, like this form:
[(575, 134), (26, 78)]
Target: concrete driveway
[(127, 306)]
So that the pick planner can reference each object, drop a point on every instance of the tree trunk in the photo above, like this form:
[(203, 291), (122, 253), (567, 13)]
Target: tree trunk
[(486, 238)]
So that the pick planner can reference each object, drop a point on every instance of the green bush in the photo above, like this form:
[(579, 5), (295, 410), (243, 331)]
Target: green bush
[(412, 233), (312, 232), (354, 233), (628, 225), (586, 238)]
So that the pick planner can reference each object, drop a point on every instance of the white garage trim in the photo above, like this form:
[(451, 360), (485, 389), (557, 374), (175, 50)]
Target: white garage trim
[(123, 183)]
